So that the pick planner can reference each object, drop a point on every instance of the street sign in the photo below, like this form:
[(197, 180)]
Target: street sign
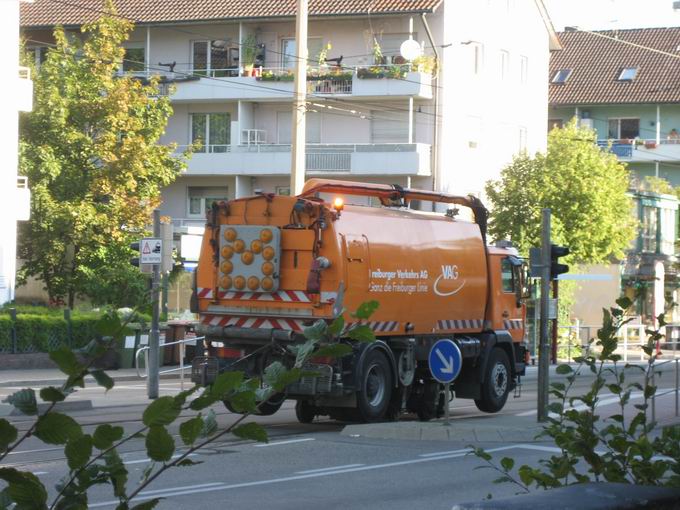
[(151, 251), (445, 361)]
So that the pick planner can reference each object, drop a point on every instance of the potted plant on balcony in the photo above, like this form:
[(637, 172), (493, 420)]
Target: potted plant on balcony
[(248, 54), (650, 144)]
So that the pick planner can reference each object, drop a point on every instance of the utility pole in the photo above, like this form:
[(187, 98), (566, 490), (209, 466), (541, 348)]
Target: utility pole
[(298, 157), (544, 340), (154, 337)]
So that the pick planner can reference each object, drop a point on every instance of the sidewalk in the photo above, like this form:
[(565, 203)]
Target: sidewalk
[(53, 376)]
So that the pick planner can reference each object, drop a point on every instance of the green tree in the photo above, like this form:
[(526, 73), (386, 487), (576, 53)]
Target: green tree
[(90, 151), (584, 186)]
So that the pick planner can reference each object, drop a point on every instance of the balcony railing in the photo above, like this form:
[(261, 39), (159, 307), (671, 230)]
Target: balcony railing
[(387, 158), (643, 149)]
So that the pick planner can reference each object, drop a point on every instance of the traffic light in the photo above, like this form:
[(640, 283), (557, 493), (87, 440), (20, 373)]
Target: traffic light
[(135, 260), (556, 268)]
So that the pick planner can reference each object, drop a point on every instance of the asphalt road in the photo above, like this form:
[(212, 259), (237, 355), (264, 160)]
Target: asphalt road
[(307, 466)]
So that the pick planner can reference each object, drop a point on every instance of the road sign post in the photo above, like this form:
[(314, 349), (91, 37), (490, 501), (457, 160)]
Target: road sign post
[(543, 344), (151, 252), (445, 362)]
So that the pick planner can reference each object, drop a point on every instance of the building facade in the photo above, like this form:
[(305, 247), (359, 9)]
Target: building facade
[(625, 85), (371, 115), (17, 97)]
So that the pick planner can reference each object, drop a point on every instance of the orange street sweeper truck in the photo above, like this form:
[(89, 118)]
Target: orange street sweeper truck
[(272, 265)]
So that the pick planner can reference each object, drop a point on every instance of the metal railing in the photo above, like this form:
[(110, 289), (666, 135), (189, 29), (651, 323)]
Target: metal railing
[(182, 353)]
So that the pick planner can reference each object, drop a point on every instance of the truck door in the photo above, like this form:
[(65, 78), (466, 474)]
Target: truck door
[(510, 298), (356, 252)]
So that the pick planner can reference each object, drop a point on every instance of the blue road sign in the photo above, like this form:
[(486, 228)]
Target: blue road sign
[(445, 361)]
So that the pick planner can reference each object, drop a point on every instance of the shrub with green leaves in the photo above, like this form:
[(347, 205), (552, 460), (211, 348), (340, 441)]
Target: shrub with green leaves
[(623, 448), (94, 459)]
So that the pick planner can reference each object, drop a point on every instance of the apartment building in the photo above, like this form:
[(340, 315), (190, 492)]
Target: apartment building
[(17, 97), (625, 85)]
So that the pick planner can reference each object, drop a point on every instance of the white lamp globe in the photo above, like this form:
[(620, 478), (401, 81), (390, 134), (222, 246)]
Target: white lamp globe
[(410, 49)]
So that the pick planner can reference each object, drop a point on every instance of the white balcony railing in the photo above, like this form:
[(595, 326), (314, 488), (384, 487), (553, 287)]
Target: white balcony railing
[(643, 149), (24, 90), (274, 159)]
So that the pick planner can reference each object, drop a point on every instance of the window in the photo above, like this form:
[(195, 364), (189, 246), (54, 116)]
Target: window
[(211, 130), (477, 58), (524, 68), (200, 199), (290, 54), (522, 140), (507, 276), (134, 60), (505, 64), (561, 76), (628, 74), (211, 56), (389, 126), (282, 190), (555, 123), (38, 54), (650, 219), (668, 231), (620, 129)]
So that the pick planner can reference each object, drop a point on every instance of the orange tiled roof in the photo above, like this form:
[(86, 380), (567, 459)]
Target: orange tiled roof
[(47, 13)]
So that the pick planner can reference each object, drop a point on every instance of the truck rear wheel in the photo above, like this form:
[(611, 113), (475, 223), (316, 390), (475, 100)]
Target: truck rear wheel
[(373, 397), (497, 381), (305, 411)]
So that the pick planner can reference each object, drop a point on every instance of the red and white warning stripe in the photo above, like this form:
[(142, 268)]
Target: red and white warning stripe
[(513, 324), (381, 326), (284, 296), (253, 322), (461, 324)]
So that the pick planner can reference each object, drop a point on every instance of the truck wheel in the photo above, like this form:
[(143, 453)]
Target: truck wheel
[(305, 412), (497, 381), (373, 397)]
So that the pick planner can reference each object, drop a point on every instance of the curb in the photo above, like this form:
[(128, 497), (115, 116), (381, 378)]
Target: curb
[(587, 496), (50, 382)]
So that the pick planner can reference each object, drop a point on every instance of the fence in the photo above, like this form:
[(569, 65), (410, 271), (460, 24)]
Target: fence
[(573, 340), (182, 356)]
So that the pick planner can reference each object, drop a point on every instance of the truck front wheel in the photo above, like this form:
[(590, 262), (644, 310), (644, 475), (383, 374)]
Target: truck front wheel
[(375, 392), (496, 382)]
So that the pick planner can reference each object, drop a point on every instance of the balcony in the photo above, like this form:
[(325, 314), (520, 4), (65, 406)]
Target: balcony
[(277, 83), (643, 150), (348, 159), (24, 90)]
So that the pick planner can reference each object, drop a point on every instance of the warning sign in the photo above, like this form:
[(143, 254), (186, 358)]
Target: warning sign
[(151, 251)]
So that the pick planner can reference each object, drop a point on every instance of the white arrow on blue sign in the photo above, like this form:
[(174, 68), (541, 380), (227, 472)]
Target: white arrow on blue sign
[(446, 361)]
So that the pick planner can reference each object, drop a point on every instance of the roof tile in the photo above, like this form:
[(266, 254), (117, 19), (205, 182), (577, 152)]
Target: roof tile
[(42, 13), (597, 62)]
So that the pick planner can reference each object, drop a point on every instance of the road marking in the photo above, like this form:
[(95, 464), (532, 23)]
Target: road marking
[(35, 451), (141, 461), (166, 493), (439, 454), (285, 442), (211, 484), (321, 470), (583, 407), (40, 472)]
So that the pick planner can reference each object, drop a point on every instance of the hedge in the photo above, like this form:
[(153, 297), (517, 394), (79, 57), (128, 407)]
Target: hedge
[(47, 329)]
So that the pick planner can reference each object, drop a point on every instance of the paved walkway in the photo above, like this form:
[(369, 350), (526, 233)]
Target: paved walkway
[(51, 376)]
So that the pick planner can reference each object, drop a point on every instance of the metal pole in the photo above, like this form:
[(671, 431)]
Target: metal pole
[(447, 390), (298, 159), (653, 396), (13, 316), (154, 347), (553, 352), (544, 345), (165, 290), (181, 365), (677, 385)]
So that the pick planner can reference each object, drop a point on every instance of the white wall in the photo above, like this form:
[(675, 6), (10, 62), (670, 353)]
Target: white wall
[(13, 88), (487, 109)]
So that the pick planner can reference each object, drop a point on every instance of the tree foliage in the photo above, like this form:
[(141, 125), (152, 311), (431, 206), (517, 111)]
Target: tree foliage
[(584, 186), (90, 151)]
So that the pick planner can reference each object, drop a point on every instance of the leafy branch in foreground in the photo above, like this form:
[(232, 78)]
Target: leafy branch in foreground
[(620, 448), (94, 459)]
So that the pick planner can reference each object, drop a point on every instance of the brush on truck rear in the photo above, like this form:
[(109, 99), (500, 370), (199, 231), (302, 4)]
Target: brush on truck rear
[(272, 265)]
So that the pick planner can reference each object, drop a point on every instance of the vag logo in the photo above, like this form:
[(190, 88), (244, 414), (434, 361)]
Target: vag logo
[(442, 286), (450, 272)]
